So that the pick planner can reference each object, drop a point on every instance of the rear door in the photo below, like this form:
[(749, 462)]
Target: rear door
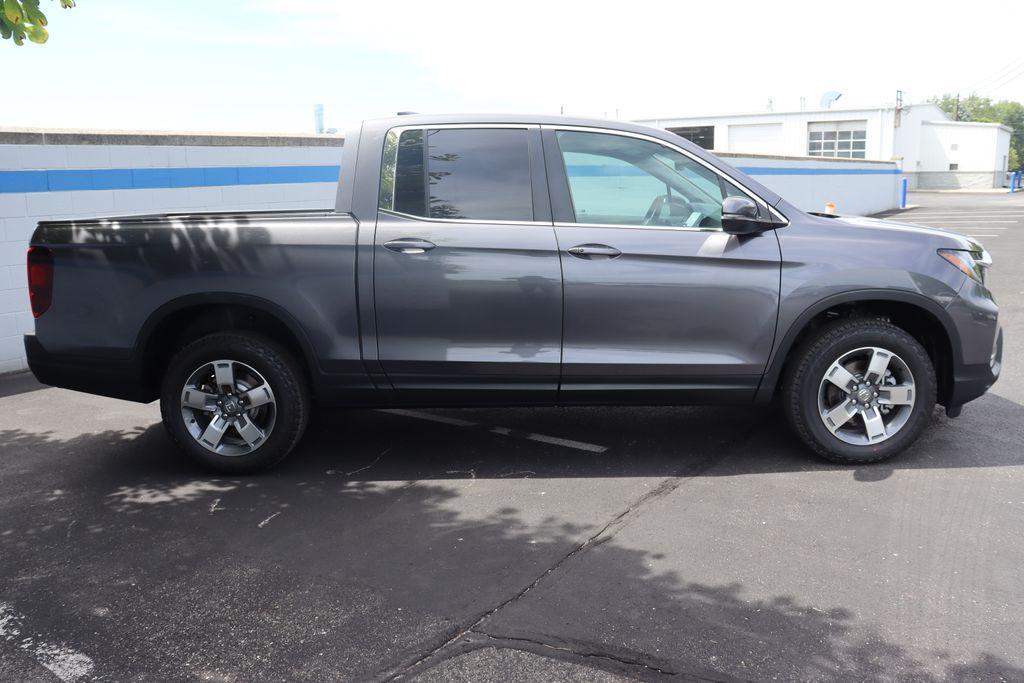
[(661, 305), (467, 280)]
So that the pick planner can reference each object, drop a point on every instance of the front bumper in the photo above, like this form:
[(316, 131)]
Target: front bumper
[(971, 381), (113, 377)]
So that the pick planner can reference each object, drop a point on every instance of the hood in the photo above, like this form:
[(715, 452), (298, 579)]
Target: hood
[(955, 240)]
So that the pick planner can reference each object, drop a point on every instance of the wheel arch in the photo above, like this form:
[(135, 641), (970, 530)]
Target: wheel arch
[(189, 317), (919, 316)]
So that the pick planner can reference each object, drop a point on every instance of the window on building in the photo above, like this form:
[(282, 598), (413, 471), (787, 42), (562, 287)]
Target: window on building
[(466, 173), (954, 167), (617, 180), (698, 135), (838, 139)]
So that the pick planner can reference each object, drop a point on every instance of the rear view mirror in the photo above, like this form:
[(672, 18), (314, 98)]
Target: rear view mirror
[(740, 217)]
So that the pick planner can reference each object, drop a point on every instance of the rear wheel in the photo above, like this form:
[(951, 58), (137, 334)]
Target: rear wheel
[(860, 391), (234, 402)]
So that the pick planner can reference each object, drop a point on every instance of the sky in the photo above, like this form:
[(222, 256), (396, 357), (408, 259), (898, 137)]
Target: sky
[(261, 65)]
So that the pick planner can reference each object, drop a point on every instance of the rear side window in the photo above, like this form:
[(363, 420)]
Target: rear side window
[(461, 173), (410, 171)]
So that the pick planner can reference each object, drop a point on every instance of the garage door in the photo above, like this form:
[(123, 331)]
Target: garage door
[(756, 138)]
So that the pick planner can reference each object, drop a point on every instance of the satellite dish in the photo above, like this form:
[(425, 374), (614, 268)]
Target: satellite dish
[(828, 98)]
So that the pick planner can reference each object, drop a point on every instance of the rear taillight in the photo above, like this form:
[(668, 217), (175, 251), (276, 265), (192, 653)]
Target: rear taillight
[(40, 279)]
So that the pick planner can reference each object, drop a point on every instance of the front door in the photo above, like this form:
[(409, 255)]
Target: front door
[(467, 279), (660, 304)]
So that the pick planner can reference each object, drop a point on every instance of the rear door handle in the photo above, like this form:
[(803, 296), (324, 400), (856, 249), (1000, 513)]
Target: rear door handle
[(409, 245), (589, 251)]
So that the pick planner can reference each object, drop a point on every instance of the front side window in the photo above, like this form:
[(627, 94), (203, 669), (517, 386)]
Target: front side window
[(458, 173), (618, 180)]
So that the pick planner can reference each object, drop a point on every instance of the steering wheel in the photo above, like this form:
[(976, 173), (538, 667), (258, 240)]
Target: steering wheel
[(658, 204)]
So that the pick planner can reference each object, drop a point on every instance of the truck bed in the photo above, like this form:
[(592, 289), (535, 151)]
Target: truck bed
[(194, 215), (118, 278)]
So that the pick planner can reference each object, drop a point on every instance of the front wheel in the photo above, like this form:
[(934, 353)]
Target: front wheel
[(234, 402), (860, 391)]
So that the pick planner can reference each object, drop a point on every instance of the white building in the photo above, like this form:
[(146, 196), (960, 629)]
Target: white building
[(61, 175), (931, 150)]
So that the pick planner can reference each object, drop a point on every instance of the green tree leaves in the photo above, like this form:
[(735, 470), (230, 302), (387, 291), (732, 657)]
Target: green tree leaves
[(21, 19)]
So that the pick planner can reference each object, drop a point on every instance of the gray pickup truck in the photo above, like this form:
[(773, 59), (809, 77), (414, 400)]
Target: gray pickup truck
[(525, 260)]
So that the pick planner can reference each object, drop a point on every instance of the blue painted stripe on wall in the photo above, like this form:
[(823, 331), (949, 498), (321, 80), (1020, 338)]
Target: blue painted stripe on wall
[(613, 170), (603, 170), (214, 176), (796, 170), (158, 178)]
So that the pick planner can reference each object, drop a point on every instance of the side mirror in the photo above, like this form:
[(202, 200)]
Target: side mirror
[(740, 217)]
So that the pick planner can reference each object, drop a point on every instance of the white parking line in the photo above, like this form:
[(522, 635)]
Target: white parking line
[(553, 440), (960, 215), (968, 227), (65, 663), (502, 431), (983, 221), (962, 226), (958, 219), (428, 416)]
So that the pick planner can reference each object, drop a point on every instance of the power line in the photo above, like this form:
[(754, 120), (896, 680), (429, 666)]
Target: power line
[(991, 78), (1007, 80)]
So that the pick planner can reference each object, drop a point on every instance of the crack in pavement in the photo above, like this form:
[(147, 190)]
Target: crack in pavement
[(595, 653), (606, 533), (363, 468), (508, 641)]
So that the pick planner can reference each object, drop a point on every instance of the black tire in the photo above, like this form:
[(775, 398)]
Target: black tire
[(278, 368), (815, 356)]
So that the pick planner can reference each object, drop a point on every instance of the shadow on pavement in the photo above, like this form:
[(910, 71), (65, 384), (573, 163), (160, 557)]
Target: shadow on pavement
[(353, 559), (17, 383), (376, 445)]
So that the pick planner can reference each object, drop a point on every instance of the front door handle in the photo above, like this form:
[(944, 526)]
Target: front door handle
[(409, 245), (589, 251)]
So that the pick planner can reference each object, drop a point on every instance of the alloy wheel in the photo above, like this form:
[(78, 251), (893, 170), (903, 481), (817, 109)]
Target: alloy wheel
[(866, 396), (228, 407)]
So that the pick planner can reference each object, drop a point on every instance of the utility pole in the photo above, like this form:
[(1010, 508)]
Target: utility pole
[(956, 110)]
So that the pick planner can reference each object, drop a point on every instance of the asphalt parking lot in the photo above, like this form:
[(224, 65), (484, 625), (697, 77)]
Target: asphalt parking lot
[(540, 544)]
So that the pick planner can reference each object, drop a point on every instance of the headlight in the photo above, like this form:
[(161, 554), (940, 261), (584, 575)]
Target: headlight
[(972, 263)]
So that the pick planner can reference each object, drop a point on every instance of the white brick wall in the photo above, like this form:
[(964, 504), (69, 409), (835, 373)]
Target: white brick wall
[(19, 212)]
